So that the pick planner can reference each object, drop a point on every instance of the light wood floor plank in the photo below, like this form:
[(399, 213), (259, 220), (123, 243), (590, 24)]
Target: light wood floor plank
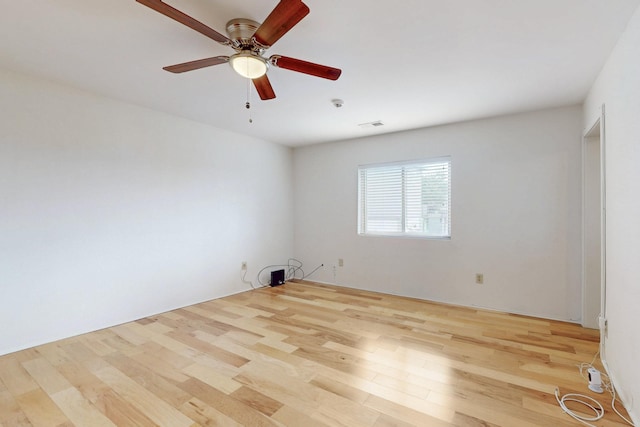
[(205, 415), (78, 410), (305, 355), (10, 412), (149, 404), (14, 377), (41, 410)]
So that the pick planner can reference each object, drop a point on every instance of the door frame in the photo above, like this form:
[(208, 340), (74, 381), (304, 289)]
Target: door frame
[(597, 129)]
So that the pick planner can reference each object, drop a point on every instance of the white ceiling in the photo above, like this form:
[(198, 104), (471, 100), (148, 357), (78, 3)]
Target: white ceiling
[(408, 63)]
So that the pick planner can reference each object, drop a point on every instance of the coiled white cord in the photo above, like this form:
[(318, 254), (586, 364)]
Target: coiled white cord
[(607, 384), (587, 401)]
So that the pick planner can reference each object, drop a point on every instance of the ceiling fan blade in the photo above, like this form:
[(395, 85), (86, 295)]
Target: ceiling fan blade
[(194, 65), (305, 67), (281, 19), (263, 86), (165, 9)]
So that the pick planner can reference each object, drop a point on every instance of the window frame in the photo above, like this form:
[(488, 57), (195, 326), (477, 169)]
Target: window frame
[(403, 165)]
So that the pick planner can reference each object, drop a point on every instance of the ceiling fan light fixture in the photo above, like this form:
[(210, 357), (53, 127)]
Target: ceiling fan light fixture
[(248, 64)]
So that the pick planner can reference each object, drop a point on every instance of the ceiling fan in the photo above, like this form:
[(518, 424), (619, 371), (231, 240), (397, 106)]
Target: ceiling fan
[(250, 40)]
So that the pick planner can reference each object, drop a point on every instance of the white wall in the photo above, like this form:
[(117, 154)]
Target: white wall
[(618, 87), (516, 215), (110, 212)]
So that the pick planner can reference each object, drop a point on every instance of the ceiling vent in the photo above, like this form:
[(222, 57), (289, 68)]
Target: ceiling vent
[(375, 124)]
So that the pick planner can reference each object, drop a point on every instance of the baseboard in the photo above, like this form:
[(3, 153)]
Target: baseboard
[(480, 307)]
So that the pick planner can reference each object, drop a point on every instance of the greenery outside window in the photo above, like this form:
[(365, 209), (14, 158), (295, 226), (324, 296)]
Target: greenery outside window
[(405, 199)]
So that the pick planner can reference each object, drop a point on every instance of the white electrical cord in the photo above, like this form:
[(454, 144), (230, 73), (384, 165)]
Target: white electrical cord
[(247, 282), (613, 405), (293, 267), (607, 384), (587, 401)]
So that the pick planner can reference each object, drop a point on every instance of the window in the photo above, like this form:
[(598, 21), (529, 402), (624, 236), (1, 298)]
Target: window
[(405, 199)]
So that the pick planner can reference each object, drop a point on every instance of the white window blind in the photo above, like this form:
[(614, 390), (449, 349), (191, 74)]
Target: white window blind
[(412, 198)]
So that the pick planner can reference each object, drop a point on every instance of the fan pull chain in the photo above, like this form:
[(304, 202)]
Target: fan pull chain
[(248, 103)]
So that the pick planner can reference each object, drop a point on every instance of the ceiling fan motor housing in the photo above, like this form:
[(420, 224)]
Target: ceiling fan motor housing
[(241, 32)]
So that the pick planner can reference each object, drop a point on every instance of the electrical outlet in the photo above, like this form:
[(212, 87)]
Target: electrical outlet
[(340, 262), (479, 278), (602, 324), (244, 265)]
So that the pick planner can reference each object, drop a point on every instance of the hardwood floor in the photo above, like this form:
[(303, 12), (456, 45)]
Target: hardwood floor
[(305, 355)]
